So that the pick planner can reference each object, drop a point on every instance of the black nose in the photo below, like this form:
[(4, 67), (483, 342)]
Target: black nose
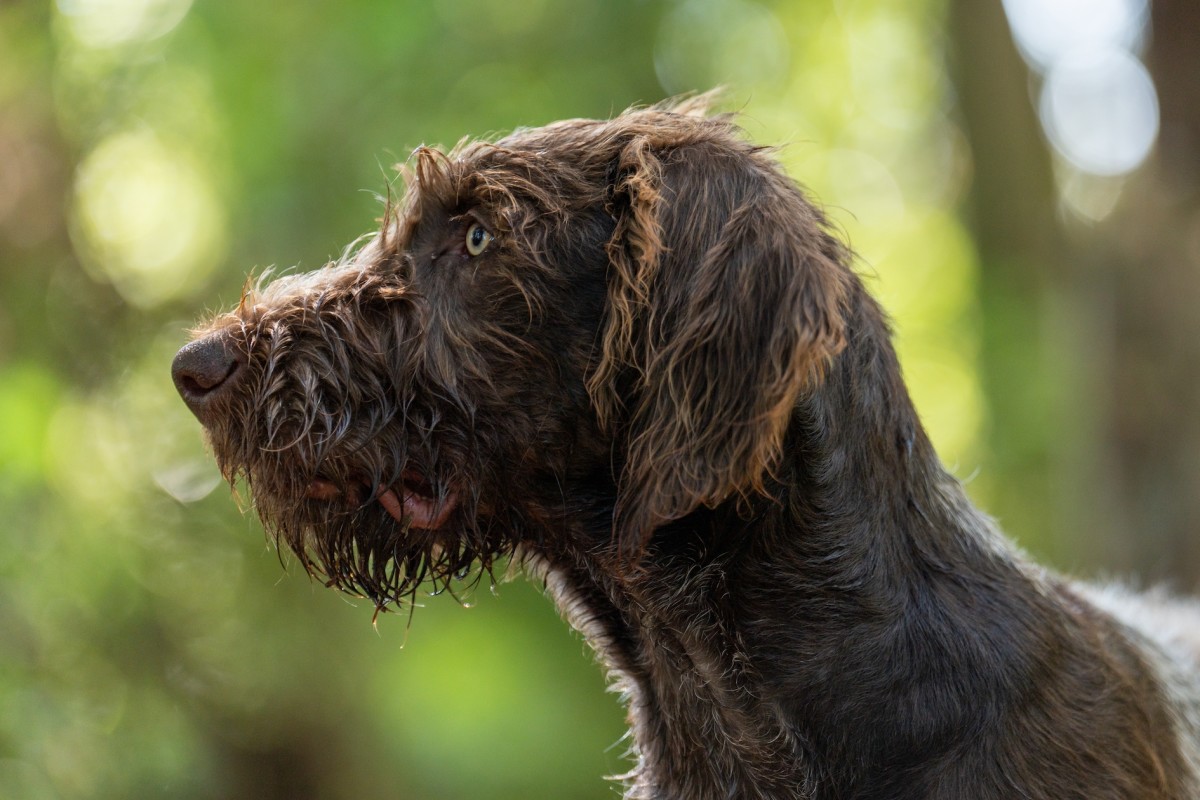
[(204, 370)]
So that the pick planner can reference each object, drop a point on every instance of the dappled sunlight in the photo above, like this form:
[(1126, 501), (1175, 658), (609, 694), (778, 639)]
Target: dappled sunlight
[(1097, 101), (117, 450), (147, 218), (106, 450), (896, 71), (28, 394), (929, 278), (1046, 29), (108, 23), (1100, 111), (1092, 197), (91, 456), (869, 135)]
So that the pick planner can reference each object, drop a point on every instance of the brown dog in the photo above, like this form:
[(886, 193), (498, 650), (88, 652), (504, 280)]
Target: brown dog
[(630, 355)]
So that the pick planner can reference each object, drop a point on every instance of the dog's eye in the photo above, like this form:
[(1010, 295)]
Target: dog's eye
[(478, 239)]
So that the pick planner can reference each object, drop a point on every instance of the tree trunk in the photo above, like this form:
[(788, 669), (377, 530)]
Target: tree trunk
[(1091, 338)]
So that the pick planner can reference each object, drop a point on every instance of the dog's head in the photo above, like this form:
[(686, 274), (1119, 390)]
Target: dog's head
[(610, 320)]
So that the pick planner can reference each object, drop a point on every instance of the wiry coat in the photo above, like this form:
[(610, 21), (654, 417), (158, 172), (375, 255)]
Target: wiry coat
[(631, 355)]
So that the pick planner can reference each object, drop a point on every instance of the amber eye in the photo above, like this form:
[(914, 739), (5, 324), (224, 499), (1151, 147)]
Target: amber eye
[(478, 239)]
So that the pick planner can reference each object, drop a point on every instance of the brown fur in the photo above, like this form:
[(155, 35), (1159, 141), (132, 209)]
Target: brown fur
[(662, 389)]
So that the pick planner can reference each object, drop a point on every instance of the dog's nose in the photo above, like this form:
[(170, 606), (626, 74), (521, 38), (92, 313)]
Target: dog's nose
[(204, 370)]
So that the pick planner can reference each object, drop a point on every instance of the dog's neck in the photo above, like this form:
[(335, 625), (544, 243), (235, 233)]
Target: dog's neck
[(731, 640), (846, 636), (865, 632)]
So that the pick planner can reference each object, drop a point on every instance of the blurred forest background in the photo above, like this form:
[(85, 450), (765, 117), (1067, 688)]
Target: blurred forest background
[(1020, 180)]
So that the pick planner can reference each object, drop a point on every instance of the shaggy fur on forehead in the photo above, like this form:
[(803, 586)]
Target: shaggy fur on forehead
[(541, 175)]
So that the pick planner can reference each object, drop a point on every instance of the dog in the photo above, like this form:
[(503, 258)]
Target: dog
[(631, 357)]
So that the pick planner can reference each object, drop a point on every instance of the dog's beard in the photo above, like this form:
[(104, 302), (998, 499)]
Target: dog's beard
[(376, 483), (364, 507)]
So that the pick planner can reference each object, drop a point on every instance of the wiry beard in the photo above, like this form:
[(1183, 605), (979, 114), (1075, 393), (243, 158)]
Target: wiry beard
[(331, 459)]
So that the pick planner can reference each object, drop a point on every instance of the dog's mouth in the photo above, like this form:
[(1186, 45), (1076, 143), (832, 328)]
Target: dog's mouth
[(413, 501)]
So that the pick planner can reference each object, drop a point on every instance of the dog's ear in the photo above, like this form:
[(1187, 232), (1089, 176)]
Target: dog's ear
[(726, 299)]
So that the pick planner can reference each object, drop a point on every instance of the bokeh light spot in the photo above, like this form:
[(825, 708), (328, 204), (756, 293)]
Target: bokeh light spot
[(1047, 29), (1090, 197), (1100, 111), (89, 450), (106, 23), (146, 218)]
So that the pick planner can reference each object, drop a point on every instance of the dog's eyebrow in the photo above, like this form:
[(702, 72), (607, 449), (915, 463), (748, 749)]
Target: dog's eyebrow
[(470, 214)]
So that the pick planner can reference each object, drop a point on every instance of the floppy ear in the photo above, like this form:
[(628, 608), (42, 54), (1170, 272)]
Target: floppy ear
[(725, 300)]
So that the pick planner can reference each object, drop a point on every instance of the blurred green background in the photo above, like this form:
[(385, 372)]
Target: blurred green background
[(1022, 190)]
